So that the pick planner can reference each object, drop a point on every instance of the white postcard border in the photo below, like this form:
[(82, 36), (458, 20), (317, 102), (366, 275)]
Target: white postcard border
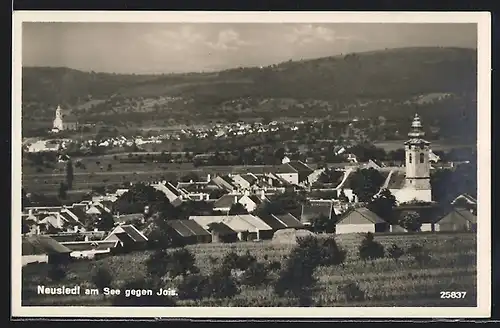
[(483, 21)]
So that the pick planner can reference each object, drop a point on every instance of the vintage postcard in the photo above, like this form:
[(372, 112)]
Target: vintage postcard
[(251, 164)]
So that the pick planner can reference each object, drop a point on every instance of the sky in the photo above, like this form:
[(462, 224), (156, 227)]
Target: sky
[(144, 48)]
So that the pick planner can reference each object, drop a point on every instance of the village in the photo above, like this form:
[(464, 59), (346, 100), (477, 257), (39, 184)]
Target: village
[(284, 200)]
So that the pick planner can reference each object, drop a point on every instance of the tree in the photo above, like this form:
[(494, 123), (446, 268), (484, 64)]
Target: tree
[(330, 176), (160, 234), (237, 208), (57, 272), (163, 263), (221, 284), (69, 174), (105, 222), (101, 277), (63, 191), (191, 176), (370, 249), (255, 275), (139, 196), (383, 205), (395, 252), (332, 253), (322, 223), (410, 221), (365, 183)]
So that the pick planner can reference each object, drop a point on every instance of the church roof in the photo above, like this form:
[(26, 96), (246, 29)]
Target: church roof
[(397, 180)]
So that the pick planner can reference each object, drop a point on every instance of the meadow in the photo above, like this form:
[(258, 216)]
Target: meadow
[(385, 282)]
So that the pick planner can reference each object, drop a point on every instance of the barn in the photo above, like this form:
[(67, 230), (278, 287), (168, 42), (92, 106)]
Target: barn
[(361, 220), (458, 219), (40, 248)]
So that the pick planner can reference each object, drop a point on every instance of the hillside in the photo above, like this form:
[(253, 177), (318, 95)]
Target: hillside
[(315, 87)]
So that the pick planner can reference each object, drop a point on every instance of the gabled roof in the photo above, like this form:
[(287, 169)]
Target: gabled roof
[(249, 177), (467, 197), (222, 182), (90, 245), (256, 199), (195, 228), (289, 220), (180, 228), (69, 219), (132, 231), (397, 180), (220, 229), (300, 167), (255, 221), (458, 213), (79, 212), (272, 221), (124, 238), (40, 244), (226, 201), (361, 214)]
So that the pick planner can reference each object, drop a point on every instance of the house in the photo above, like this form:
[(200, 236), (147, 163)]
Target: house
[(221, 233), (251, 202), (224, 203), (128, 236), (315, 208), (458, 219), (223, 182), (361, 220), (189, 231), (289, 221), (465, 201), (248, 227), (294, 172), (91, 249), (171, 192), (41, 248), (244, 181)]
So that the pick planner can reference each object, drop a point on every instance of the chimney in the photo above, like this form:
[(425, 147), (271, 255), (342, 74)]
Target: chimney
[(262, 194), (235, 198), (30, 212), (270, 181), (37, 229), (208, 177), (59, 221)]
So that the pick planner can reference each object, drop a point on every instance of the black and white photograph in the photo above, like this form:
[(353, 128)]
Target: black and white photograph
[(251, 164)]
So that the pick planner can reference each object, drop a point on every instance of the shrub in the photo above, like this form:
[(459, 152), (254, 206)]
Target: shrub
[(101, 277), (352, 292), (274, 266), (221, 284), (57, 272), (230, 261), (255, 275), (179, 262), (245, 261), (395, 252), (297, 276), (193, 287), (332, 253), (370, 249), (420, 254)]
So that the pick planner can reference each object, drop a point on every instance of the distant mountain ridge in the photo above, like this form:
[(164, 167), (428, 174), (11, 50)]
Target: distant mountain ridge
[(396, 74)]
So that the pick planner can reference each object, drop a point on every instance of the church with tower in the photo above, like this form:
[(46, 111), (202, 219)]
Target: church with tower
[(59, 124), (413, 183)]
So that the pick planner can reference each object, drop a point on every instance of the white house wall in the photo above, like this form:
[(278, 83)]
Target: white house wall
[(292, 178), (354, 228), (407, 195), (35, 258)]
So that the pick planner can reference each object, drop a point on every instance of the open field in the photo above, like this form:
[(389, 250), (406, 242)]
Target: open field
[(385, 282)]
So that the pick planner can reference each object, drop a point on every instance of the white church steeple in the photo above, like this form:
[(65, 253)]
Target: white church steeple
[(58, 123), (417, 162)]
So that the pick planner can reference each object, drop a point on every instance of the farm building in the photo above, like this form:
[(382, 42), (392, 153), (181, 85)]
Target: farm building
[(189, 231), (251, 202), (91, 249), (316, 208), (128, 237), (465, 201), (459, 219), (248, 227), (282, 221), (221, 233), (361, 220), (42, 248)]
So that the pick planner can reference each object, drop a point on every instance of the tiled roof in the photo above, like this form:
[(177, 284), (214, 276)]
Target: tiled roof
[(255, 221), (299, 166), (40, 244), (195, 228), (135, 234), (272, 221), (289, 220), (256, 199), (90, 245), (397, 180), (124, 238), (221, 229), (250, 178), (362, 213), (68, 218), (180, 228), (457, 213), (226, 201)]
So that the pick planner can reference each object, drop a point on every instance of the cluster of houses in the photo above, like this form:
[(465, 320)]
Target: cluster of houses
[(410, 185)]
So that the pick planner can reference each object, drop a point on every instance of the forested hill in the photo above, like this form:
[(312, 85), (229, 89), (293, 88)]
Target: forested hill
[(393, 74)]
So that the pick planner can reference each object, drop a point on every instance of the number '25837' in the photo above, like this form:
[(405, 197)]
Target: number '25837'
[(453, 295)]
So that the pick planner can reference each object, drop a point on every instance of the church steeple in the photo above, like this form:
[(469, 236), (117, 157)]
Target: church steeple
[(417, 162), (58, 123)]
